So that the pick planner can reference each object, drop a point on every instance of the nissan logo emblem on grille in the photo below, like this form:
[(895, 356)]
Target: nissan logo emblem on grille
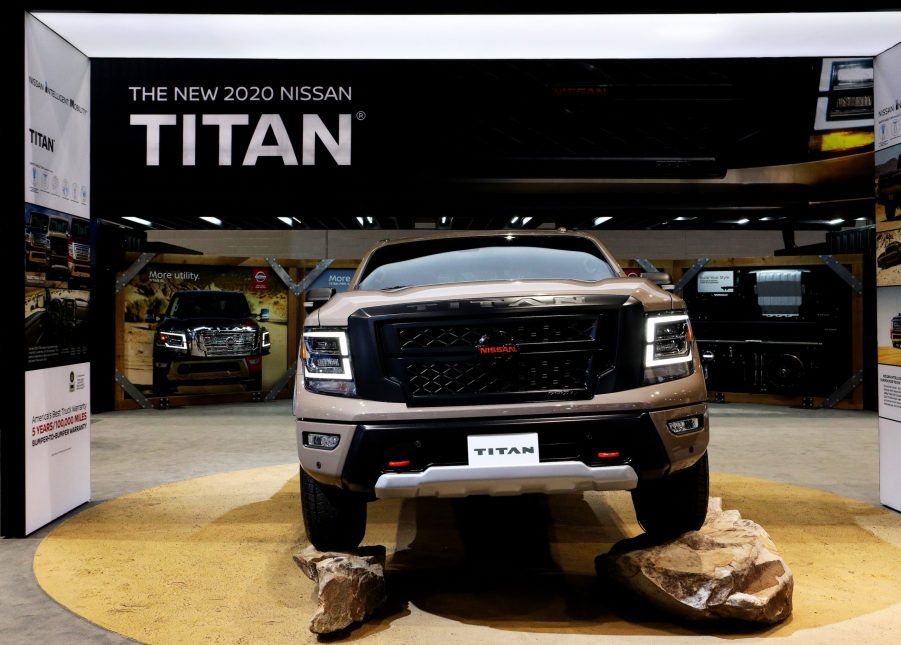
[(496, 343)]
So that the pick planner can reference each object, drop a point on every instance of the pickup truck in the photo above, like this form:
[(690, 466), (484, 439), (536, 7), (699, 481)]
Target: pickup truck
[(208, 338), (498, 363)]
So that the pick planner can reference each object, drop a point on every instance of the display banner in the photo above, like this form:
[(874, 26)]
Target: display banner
[(299, 138), (337, 279), (57, 121), (887, 108), (49, 472), (198, 329), (57, 442)]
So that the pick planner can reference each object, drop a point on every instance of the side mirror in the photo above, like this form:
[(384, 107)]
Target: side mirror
[(315, 298), (658, 277)]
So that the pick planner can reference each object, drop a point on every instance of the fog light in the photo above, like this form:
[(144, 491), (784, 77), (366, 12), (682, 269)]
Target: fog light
[(322, 441), (682, 426)]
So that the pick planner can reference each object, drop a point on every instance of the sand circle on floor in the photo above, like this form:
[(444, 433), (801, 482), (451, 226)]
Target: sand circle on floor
[(209, 560)]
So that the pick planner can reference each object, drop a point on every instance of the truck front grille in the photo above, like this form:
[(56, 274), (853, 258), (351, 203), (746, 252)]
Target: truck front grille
[(226, 343), (500, 358), (536, 373), (81, 252)]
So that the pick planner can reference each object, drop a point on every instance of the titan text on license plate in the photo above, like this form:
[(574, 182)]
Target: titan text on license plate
[(502, 449)]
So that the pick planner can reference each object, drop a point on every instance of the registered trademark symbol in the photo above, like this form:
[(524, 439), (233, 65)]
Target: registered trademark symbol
[(361, 115)]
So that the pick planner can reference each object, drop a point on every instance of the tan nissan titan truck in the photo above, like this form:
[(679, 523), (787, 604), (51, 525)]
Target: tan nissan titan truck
[(498, 363)]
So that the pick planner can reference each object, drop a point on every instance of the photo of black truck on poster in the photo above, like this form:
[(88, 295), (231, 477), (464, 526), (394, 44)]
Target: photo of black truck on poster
[(57, 281), (204, 330)]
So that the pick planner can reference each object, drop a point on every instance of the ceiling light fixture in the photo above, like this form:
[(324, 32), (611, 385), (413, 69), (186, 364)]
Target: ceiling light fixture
[(360, 220), (211, 220), (369, 220), (287, 221), (297, 220), (743, 220), (137, 220), (526, 220), (514, 220), (600, 220), (837, 220)]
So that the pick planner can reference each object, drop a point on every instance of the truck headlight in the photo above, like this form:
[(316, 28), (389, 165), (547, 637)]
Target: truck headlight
[(173, 340), (668, 343), (325, 356)]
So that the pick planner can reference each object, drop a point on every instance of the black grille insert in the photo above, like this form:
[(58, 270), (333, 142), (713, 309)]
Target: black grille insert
[(500, 358), (500, 375)]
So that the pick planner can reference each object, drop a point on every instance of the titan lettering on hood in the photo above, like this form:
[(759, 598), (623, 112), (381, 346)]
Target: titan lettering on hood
[(307, 128)]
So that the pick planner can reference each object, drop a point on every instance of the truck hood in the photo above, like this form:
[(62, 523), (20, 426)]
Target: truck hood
[(235, 324), (337, 310)]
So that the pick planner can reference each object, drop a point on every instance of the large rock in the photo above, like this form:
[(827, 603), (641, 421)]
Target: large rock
[(728, 569), (350, 586)]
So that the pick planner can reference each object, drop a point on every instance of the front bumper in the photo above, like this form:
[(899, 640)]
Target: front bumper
[(569, 447), (460, 481)]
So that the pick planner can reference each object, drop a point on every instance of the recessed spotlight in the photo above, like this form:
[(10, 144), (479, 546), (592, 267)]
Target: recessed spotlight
[(211, 220), (861, 219), (837, 220), (369, 220), (743, 220), (514, 220), (765, 219), (286, 220), (360, 220), (600, 220), (137, 220), (682, 218), (526, 220), (444, 220)]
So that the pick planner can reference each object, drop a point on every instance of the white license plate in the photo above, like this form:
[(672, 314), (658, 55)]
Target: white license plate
[(502, 449)]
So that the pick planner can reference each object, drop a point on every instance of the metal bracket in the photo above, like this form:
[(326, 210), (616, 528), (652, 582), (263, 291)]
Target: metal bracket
[(298, 288), (282, 382), (128, 275), (689, 275), (646, 265), (842, 272), (132, 391), (844, 389)]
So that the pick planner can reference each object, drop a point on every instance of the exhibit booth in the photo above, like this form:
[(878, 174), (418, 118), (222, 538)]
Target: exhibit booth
[(201, 186)]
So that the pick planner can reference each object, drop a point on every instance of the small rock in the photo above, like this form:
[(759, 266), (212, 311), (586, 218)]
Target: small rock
[(729, 568), (350, 586)]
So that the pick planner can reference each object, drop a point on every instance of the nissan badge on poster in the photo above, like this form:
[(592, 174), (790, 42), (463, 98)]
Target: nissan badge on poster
[(57, 442)]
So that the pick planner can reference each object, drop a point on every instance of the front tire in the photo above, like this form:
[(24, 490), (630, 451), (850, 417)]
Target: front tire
[(334, 519), (675, 504)]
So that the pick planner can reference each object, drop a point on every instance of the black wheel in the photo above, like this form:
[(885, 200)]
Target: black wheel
[(161, 385), (255, 384), (673, 505), (334, 519)]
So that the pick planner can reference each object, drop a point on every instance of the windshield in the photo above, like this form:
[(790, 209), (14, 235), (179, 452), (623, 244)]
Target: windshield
[(59, 226), (80, 229), (480, 259), (38, 220), (212, 304)]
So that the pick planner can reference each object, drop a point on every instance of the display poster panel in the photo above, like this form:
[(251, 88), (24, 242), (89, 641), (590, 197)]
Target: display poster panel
[(716, 282), (57, 121), (57, 280), (887, 108), (57, 442), (337, 279), (56, 476), (201, 329)]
